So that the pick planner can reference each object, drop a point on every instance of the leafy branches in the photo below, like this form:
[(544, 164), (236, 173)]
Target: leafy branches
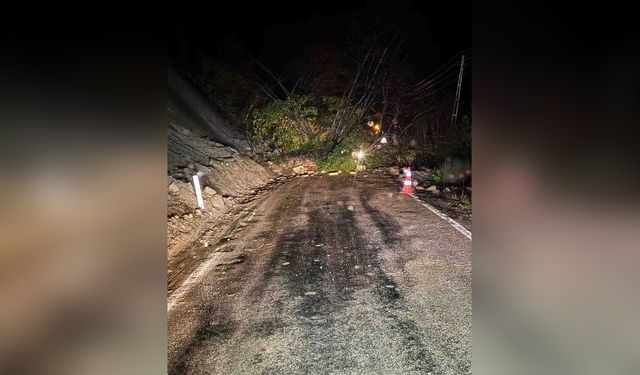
[(286, 124), (323, 105)]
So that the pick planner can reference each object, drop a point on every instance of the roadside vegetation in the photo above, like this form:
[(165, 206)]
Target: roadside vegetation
[(339, 98)]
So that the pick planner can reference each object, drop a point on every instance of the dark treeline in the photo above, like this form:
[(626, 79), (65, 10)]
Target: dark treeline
[(336, 94)]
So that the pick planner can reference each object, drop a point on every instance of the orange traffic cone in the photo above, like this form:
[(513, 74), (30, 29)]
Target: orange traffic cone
[(407, 188)]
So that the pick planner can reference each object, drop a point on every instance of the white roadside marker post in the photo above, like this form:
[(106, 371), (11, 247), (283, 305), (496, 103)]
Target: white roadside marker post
[(196, 184)]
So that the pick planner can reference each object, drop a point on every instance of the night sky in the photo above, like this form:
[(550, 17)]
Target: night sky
[(277, 33)]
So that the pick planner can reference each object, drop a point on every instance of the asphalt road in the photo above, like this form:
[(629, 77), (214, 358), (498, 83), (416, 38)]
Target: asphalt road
[(326, 277)]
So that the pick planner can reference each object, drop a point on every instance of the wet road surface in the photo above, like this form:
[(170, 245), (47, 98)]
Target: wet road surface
[(327, 277)]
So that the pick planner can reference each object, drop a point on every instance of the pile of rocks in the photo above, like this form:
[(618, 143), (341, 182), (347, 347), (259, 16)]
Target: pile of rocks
[(293, 165)]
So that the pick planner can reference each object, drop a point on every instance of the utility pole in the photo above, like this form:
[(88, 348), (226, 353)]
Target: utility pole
[(456, 103)]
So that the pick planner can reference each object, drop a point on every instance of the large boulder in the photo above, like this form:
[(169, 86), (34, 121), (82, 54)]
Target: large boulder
[(432, 189), (300, 169), (181, 198), (219, 167)]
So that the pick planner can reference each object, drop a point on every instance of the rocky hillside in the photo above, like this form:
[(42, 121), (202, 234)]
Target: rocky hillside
[(224, 175), (221, 169), (197, 114), (201, 143)]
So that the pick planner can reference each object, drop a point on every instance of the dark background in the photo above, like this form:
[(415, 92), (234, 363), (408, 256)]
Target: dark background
[(275, 33)]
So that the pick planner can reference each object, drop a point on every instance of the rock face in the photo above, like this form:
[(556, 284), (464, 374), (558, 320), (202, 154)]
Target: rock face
[(200, 143), (420, 175), (219, 168), (223, 174), (181, 199)]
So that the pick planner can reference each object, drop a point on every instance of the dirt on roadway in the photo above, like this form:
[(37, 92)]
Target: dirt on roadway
[(324, 276)]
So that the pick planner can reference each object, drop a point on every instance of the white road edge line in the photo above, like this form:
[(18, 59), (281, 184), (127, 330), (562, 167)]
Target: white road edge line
[(446, 218), (195, 277)]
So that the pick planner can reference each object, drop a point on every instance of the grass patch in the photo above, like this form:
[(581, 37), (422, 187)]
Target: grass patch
[(340, 159)]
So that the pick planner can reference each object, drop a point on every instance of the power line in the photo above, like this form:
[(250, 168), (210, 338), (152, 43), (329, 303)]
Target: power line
[(449, 78), (426, 83), (433, 84), (442, 77), (454, 57), (435, 90), (452, 78)]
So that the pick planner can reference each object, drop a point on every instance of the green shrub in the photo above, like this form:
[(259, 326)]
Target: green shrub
[(340, 159), (436, 177), (390, 155), (286, 125), (404, 156), (276, 158)]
